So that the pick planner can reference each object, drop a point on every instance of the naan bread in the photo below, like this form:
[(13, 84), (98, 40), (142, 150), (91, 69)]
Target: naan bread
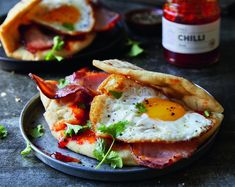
[(177, 87), (192, 96), (19, 15), (155, 155), (55, 112), (75, 46), (9, 33)]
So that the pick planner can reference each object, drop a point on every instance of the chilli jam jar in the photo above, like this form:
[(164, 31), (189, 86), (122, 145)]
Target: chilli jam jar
[(190, 32)]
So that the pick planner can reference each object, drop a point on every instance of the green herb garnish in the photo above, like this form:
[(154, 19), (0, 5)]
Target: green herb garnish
[(135, 48), (74, 129), (109, 156), (115, 94), (27, 150), (206, 113), (89, 124), (3, 132), (58, 44), (62, 83), (68, 26), (114, 129), (140, 108), (37, 132)]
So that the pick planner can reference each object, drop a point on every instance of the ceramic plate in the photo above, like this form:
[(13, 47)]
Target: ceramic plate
[(32, 115)]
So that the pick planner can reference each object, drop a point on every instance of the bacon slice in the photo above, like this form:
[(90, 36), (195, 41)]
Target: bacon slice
[(160, 155), (35, 40), (105, 19), (82, 83), (90, 80)]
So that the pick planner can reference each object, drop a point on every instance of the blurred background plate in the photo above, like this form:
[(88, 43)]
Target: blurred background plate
[(103, 47), (43, 147)]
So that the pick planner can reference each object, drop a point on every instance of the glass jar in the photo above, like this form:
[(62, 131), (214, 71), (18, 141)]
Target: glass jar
[(191, 31)]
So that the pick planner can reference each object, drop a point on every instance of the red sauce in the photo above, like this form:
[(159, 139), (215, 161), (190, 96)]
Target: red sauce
[(63, 142), (81, 114), (192, 12), (64, 158), (86, 136)]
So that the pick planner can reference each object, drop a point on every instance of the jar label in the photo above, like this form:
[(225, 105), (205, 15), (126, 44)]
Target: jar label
[(190, 39)]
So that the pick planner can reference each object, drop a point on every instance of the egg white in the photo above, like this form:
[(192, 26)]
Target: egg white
[(84, 24), (141, 127)]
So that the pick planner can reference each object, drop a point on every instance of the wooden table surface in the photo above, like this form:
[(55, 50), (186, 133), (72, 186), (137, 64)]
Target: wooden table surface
[(216, 168)]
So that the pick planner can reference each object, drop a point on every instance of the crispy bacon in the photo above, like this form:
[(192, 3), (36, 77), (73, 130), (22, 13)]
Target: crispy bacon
[(160, 155), (105, 19), (35, 40), (83, 85), (51, 90), (88, 79)]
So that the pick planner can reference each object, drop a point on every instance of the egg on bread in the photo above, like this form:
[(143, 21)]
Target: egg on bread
[(166, 117), (29, 30), (163, 119), (68, 16)]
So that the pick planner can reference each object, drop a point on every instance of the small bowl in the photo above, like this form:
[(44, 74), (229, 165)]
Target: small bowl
[(145, 21)]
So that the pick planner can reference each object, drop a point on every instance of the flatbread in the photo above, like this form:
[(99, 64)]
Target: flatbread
[(19, 15), (55, 112), (9, 33), (180, 88), (75, 46), (102, 106)]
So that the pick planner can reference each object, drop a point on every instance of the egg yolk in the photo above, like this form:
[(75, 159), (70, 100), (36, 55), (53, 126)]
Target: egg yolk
[(63, 14), (163, 109)]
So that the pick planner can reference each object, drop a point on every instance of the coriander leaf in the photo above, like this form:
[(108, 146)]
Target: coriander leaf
[(27, 150), (58, 44), (3, 132), (62, 83), (111, 157), (58, 58), (49, 56), (37, 131), (141, 108), (114, 129), (105, 156), (68, 26), (81, 105), (99, 151), (206, 113), (115, 94), (114, 159), (74, 129), (89, 124), (135, 48)]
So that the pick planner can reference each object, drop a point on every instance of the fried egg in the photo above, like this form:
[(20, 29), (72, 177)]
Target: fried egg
[(67, 16), (162, 119)]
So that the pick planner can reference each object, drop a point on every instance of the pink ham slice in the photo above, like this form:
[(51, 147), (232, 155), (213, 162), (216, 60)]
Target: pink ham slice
[(160, 155), (35, 40)]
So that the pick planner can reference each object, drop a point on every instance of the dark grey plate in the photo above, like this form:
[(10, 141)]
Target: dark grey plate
[(32, 115)]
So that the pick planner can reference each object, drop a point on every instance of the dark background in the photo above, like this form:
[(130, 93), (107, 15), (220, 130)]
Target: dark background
[(216, 168)]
